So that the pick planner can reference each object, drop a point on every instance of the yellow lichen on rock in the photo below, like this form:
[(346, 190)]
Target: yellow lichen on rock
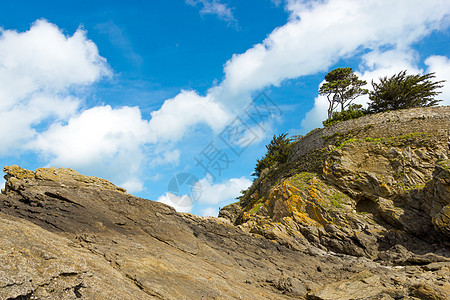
[(18, 172), (63, 175)]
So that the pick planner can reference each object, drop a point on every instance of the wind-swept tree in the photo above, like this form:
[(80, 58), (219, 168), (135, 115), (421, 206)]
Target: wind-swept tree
[(277, 153), (342, 86), (404, 91)]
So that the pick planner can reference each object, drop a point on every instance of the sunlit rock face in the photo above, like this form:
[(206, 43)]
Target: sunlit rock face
[(357, 212)]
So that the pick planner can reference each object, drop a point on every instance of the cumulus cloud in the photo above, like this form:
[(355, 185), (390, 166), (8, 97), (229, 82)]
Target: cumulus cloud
[(17, 122), (314, 117), (320, 33), (209, 193), (316, 36), (214, 7), (40, 68), (441, 66), (37, 70), (178, 115), (99, 138), (209, 212), (43, 58), (166, 157), (181, 203), (216, 193)]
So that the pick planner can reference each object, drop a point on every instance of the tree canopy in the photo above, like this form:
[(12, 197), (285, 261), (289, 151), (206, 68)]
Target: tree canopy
[(404, 91), (342, 86), (277, 153)]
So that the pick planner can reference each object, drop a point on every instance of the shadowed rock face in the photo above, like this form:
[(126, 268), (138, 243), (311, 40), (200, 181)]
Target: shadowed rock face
[(69, 236)]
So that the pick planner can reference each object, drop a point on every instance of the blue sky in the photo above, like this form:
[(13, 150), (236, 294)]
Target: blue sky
[(144, 93)]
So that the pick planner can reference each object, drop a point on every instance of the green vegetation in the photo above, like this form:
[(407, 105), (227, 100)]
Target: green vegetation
[(337, 200), (445, 164), (277, 153), (415, 187), (302, 180), (374, 140), (404, 91), (399, 91), (346, 142), (354, 111), (342, 86), (391, 140), (255, 209)]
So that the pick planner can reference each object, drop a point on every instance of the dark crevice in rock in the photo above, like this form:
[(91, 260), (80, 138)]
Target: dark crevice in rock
[(22, 297), (62, 198), (76, 290)]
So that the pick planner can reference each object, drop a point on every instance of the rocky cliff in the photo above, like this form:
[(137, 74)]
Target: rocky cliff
[(360, 211)]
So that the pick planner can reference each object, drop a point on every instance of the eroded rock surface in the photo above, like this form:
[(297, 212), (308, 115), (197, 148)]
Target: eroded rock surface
[(74, 239), (361, 219), (376, 187)]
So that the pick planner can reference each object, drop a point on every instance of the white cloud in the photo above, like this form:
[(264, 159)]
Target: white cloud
[(17, 123), (209, 212), (317, 35), (344, 28), (44, 59), (166, 157), (220, 192), (210, 193), (314, 117), (321, 33), (214, 7), (178, 115), (102, 140), (37, 70), (181, 203), (133, 184), (441, 66), (40, 68)]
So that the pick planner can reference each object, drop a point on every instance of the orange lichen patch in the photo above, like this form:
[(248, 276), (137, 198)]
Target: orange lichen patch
[(303, 218), (301, 197), (315, 194), (314, 213), (292, 189), (296, 203), (326, 168), (384, 185)]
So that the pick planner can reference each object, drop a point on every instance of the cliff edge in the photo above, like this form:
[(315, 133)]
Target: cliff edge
[(363, 187), (355, 214)]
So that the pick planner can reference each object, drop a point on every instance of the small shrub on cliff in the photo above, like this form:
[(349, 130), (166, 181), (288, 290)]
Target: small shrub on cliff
[(354, 111), (341, 87), (277, 153), (404, 91)]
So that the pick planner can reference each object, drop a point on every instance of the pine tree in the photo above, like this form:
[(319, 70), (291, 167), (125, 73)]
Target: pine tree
[(342, 86), (404, 91), (277, 153)]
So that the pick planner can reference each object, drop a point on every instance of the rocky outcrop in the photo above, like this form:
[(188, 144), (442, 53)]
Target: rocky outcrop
[(376, 187), (362, 217), (82, 237)]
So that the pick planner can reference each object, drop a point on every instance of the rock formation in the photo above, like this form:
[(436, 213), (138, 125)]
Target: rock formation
[(360, 211)]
